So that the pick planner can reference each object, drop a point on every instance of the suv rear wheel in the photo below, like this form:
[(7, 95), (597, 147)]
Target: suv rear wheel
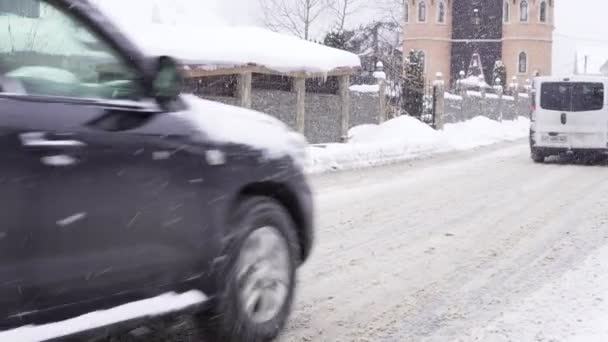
[(257, 278)]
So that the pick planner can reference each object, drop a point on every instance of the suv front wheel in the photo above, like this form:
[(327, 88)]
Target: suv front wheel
[(257, 277)]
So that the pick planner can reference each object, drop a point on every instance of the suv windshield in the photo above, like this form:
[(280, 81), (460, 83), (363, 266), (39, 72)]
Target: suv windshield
[(572, 97), (48, 53)]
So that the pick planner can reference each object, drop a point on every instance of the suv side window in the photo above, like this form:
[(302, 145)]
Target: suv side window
[(49, 53)]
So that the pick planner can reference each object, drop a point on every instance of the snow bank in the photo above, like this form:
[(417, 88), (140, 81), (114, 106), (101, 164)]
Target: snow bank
[(405, 138), (156, 306), (365, 88), (227, 124), (570, 308)]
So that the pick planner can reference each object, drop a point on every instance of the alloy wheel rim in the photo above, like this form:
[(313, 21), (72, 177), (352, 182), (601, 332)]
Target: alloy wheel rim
[(263, 274)]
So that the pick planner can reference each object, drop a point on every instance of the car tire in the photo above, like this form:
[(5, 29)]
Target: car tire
[(537, 156), (256, 277)]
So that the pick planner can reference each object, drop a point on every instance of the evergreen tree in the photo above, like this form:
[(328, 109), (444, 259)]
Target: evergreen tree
[(337, 39), (500, 72), (413, 85)]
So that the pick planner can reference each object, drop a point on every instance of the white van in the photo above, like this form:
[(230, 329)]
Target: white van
[(569, 115)]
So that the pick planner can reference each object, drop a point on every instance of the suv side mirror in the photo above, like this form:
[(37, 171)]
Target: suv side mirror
[(167, 81)]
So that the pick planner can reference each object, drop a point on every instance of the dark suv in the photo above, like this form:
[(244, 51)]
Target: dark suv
[(121, 197)]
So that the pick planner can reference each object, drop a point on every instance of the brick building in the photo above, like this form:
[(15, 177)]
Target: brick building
[(449, 32)]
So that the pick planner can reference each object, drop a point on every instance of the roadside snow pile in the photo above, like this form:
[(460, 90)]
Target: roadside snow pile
[(571, 308), (405, 138), (481, 131)]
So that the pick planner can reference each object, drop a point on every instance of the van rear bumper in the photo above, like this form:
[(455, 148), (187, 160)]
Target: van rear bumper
[(551, 151)]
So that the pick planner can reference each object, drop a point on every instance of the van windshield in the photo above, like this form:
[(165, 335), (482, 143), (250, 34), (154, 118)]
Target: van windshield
[(572, 97)]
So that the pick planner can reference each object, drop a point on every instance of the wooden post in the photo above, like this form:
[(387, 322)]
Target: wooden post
[(244, 89), (299, 86), (344, 92), (380, 77)]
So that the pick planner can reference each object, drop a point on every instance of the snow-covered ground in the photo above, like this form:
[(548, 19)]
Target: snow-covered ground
[(573, 307), (471, 246), (405, 138)]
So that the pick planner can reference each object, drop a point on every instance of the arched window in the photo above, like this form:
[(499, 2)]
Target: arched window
[(522, 63), (523, 11), (406, 12), (441, 13), (543, 12), (422, 11), (506, 12)]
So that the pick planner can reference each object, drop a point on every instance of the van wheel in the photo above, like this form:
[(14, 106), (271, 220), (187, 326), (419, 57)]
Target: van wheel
[(537, 156), (257, 278)]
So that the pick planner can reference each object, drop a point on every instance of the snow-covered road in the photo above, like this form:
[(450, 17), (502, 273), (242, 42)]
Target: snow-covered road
[(475, 246)]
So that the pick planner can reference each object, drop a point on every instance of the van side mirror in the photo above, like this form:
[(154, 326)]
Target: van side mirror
[(167, 81)]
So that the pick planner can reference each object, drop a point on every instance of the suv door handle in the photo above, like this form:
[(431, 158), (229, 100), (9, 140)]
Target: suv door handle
[(39, 139)]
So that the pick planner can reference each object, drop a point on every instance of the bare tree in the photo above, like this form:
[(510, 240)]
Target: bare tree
[(294, 16), (344, 10)]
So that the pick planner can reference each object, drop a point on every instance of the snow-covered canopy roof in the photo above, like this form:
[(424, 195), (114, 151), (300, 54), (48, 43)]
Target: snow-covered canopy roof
[(223, 47), (211, 44)]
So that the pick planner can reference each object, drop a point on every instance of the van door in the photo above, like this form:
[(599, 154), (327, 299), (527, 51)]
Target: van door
[(571, 115)]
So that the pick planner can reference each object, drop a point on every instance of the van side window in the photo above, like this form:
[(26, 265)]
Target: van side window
[(572, 97)]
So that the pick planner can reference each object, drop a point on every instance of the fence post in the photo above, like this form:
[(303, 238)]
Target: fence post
[(300, 89), (344, 91), (439, 100), (382, 96), (380, 76), (499, 91), (244, 89)]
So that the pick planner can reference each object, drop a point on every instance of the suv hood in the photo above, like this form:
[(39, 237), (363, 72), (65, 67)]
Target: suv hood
[(222, 123)]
